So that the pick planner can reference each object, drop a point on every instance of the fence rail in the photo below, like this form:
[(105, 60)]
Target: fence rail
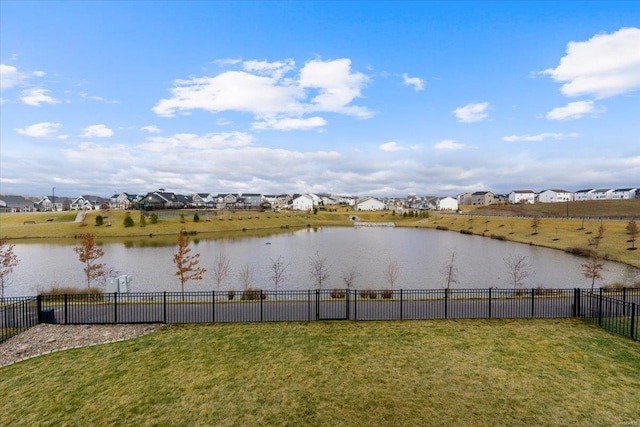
[(613, 309)]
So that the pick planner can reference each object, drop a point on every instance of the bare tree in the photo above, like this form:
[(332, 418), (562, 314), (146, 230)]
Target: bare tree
[(391, 272), (592, 269), (89, 253), (633, 231), (187, 264), (535, 224), (450, 272), (350, 276), (278, 271), (518, 269), (245, 275), (8, 261), (221, 269), (318, 270)]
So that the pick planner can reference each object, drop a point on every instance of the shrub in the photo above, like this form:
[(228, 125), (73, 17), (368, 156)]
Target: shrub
[(231, 294), (387, 293), (466, 231), (99, 220), (196, 217), (338, 293), (368, 293), (251, 294), (153, 218), (128, 221)]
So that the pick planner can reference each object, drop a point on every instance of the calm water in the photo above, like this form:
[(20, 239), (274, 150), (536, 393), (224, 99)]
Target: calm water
[(421, 255)]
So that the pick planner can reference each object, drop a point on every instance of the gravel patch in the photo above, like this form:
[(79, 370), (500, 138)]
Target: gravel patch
[(47, 338)]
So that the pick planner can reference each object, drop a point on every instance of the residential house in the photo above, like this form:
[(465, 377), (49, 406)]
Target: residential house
[(52, 203), (302, 202), (602, 194), (522, 196), (226, 201), (582, 195), (16, 204), (555, 196), (464, 199), (370, 204), (87, 202), (279, 201), (252, 200), (483, 198), (124, 201), (203, 200), (447, 204), (624, 193)]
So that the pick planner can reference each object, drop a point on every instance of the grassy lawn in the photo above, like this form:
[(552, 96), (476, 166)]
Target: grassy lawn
[(467, 373)]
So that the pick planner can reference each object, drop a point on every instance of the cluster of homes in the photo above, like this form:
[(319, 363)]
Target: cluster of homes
[(162, 199)]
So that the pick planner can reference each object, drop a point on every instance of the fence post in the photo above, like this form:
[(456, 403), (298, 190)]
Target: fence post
[(317, 304), (533, 300), (355, 304), (115, 307), (624, 301), (66, 310), (489, 303), (576, 299), (261, 318), (164, 306), (213, 306), (446, 303), (39, 305), (347, 297), (600, 308), (633, 321), (308, 305), (401, 310)]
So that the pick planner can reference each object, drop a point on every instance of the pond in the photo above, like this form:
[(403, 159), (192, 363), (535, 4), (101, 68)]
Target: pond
[(420, 254)]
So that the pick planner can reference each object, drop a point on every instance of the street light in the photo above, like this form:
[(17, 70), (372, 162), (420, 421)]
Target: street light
[(53, 203)]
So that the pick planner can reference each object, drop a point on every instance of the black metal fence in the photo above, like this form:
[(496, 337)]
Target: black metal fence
[(613, 309), (17, 315)]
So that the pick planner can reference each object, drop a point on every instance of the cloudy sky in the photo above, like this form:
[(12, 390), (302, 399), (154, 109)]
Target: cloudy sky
[(379, 98)]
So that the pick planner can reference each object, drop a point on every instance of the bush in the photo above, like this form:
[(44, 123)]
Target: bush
[(153, 218), (368, 293), (99, 220), (196, 217), (466, 232), (251, 294), (231, 294), (128, 221), (338, 293), (387, 293)]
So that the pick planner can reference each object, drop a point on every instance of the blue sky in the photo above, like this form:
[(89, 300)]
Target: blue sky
[(363, 98)]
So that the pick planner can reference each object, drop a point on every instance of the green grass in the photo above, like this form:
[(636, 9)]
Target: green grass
[(468, 373)]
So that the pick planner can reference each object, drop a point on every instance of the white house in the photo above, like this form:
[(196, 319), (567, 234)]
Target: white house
[(447, 204), (602, 194), (370, 204), (582, 195), (522, 196), (302, 202), (554, 196), (624, 193)]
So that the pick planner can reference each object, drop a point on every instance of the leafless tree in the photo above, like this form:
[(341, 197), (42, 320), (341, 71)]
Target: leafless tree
[(633, 231), (391, 272), (350, 276), (245, 275), (279, 270), (187, 264), (88, 254), (592, 269), (535, 224), (518, 269), (221, 269), (450, 272), (318, 270), (8, 261)]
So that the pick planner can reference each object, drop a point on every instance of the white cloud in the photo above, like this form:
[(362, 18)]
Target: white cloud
[(539, 137), (10, 76), (603, 66), (37, 96), (472, 112), (183, 142), (290, 124), (97, 131), (151, 129), (40, 130), (416, 82), (449, 144), (391, 146), (573, 110), (264, 90)]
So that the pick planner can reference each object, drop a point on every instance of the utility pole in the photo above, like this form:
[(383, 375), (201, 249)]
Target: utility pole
[(53, 202)]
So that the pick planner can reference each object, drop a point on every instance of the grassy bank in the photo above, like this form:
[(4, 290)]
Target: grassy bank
[(475, 372)]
